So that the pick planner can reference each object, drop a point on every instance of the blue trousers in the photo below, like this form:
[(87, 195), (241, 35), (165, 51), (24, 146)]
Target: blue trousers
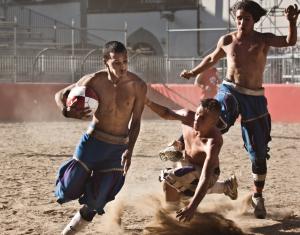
[(95, 177)]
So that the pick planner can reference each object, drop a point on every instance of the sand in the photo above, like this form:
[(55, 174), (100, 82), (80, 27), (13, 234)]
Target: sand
[(31, 153)]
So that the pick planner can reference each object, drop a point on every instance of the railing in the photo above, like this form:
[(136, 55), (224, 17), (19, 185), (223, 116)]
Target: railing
[(34, 28), (283, 68)]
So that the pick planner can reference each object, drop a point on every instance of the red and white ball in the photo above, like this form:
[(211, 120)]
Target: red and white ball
[(83, 97)]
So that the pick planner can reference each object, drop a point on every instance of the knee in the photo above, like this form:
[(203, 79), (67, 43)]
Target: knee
[(259, 166)]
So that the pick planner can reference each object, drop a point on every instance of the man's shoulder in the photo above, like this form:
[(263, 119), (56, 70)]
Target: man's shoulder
[(100, 74), (188, 116), (134, 77), (230, 34), (227, 38), (136, 80), (92, 76), (185, 112)]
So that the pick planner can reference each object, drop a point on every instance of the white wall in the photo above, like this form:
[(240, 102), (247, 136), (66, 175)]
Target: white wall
[(150, 21), (214, 13)]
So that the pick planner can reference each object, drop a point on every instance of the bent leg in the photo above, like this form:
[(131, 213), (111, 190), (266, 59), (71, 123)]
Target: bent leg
[(71, 180), (171, 194), (229, 108), (173, 152), (172, 197), (228, 187), (102, 188)]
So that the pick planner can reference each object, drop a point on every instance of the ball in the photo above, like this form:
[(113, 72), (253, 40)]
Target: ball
[(83, 97)]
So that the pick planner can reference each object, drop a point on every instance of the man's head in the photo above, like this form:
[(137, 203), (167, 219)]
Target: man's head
[(253, 8), (115, 58), (207, 114), (247, 13)]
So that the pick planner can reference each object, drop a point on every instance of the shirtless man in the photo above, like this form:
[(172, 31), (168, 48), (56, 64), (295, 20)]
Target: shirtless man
[(106, 148), (200, 170), (241, 92)]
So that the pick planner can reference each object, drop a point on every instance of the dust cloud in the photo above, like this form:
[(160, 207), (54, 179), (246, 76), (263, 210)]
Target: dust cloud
[(162, 217)]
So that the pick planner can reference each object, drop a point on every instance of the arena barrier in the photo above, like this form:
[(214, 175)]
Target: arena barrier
[(35, 102), (29, 102), (282, 98)]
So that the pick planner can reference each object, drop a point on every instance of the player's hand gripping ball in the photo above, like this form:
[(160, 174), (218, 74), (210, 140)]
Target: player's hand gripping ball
[(82, 97)]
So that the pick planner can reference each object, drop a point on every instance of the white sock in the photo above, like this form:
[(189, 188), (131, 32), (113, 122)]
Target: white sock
[(76, 224)]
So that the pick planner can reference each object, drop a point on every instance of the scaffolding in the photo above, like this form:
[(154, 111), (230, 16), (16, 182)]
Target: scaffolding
[(273, 11), (279, 58)]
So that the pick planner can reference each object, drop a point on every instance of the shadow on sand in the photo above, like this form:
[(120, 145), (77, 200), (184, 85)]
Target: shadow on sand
[(203, 224), (283, 227)]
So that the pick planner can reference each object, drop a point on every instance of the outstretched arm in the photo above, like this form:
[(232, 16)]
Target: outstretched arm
[(207, 62), (212, 150), (166, 113), (291, 13)]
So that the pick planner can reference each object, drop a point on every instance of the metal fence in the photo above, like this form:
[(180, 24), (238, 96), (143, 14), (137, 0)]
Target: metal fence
[(284, 68), (25, 26)]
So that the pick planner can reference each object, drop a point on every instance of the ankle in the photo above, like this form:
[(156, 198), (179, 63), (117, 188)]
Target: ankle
[(87, 214), (257, 194)]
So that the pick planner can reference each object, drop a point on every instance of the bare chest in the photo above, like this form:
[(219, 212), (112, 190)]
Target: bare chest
[(245, 50), (115, 98), (194, 148)]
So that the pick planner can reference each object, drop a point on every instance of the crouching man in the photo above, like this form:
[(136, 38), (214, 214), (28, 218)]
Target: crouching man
[(199, 170)]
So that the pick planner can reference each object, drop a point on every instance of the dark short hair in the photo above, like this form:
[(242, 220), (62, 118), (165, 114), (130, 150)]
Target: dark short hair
[(250, 6), (211, 105), (114, 47)]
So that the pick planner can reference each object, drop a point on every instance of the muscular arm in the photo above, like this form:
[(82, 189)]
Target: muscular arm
[(166, 113), (291, 39), (61, 98), (207, 62), (212, 150), (282, 41), (135, 124), (210, 163), (137, 114)]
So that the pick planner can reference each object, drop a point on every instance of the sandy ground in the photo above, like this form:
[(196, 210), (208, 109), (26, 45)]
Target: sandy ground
[(31, 153)]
